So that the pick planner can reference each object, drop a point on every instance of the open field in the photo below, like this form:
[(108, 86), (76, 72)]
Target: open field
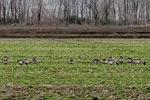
[(54, 78), (75, 31)]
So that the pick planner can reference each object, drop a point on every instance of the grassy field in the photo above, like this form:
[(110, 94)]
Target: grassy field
[(53, 78)]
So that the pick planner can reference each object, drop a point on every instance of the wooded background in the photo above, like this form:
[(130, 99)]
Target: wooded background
[(97, 12)]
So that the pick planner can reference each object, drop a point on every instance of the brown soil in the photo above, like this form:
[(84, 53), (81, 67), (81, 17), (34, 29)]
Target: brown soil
[(73, 31)]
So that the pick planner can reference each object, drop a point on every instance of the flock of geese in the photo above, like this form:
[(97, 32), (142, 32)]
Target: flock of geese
[(108, 60), (111, 60), (5, 60)]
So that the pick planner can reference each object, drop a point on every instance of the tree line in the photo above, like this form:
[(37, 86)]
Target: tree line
[(97, 12)]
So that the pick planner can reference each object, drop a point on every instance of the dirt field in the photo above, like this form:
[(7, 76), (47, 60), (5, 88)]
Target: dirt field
[(73, 31)]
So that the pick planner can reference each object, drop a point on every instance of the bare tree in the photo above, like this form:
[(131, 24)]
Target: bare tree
[(39, 9), (66, 12), (4, 4)]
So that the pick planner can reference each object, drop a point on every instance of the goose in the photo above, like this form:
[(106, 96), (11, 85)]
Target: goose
[(121, 59), (21, 61), (139, 61), (95, 60), (110, 58), (26, 61), (104, 61), (130, 60), (34, 60), (71, 61), (113, 62), (5, 60)]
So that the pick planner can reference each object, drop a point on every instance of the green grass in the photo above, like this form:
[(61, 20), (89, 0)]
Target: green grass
[(54, 78)]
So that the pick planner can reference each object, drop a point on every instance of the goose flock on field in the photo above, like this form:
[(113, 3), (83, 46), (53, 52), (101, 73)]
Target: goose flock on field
[(111, 60), (108, 60), (5, 60)]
